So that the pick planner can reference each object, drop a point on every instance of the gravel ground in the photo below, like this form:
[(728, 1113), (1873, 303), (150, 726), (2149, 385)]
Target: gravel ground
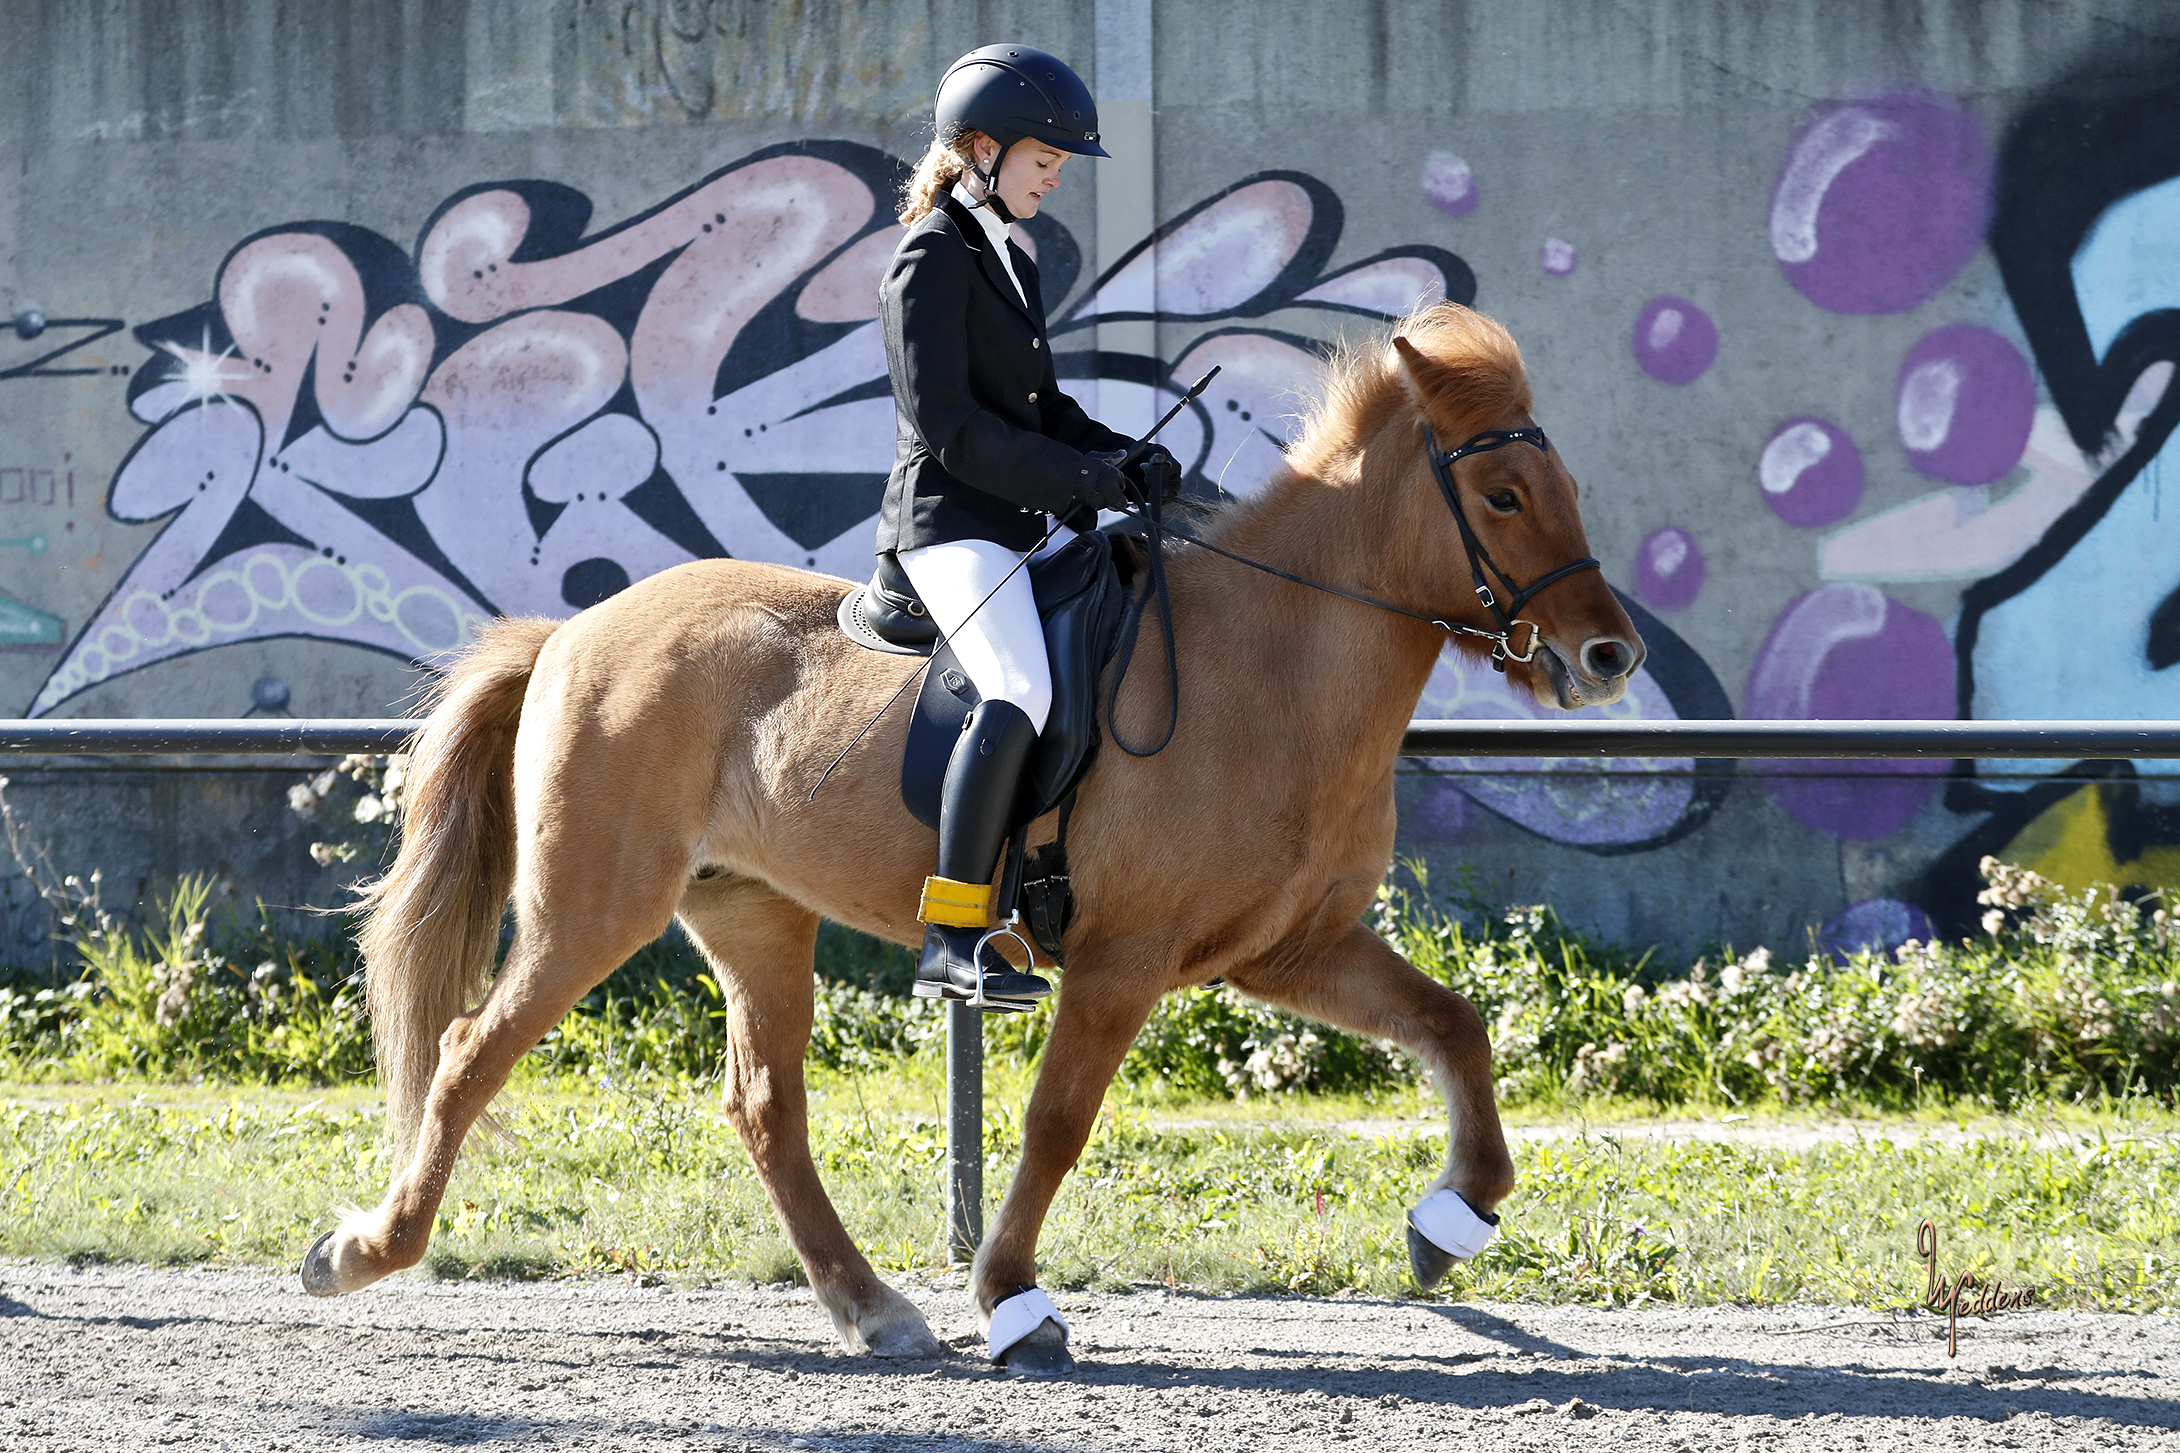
[(110, 1357)]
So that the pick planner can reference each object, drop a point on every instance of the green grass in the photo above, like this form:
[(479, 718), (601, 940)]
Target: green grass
[(1258, 1198)]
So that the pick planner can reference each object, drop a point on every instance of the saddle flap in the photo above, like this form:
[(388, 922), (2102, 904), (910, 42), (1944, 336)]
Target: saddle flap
[(943, 704), (1081, 601)]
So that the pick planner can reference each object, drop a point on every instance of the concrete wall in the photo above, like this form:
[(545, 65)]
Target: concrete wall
[(1855, 320)]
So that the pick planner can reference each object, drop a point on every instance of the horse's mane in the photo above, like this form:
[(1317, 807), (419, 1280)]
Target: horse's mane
[(1476, 378)]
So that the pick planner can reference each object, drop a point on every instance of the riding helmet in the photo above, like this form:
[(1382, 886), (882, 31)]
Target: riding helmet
[(1010, 92)]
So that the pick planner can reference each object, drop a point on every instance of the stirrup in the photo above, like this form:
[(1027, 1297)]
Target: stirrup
[(1003, 930)]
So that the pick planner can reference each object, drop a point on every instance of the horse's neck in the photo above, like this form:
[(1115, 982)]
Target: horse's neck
[(1334, 673)]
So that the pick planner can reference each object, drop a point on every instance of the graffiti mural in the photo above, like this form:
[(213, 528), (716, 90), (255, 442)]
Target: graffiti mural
[(2086, 231), (1607, 807), (355, 444), (2046, 512)]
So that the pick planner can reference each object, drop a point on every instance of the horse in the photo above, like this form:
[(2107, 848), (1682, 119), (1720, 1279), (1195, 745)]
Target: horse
[(653, 758)]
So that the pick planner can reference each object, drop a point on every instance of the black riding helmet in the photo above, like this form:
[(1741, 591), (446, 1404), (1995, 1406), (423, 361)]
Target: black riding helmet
[(1012, 92)]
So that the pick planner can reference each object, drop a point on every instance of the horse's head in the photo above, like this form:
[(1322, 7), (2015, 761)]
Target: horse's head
[(1466, 443)]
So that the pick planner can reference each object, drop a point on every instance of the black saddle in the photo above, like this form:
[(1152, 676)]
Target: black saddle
[(1086, 601)]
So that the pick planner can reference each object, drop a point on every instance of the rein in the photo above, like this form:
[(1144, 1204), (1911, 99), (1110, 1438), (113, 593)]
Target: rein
[(1506, 616)]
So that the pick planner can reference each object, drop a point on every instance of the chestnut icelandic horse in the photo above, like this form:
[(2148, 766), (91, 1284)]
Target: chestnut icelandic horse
[(654, 756)]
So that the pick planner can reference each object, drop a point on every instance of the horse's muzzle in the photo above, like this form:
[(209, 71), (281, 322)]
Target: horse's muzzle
[(1600, 677)]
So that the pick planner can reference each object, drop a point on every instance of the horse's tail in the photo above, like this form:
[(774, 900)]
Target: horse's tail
[(431, 924)]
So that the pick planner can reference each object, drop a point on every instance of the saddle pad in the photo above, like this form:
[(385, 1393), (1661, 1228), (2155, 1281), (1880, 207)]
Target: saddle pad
[(855, 624)]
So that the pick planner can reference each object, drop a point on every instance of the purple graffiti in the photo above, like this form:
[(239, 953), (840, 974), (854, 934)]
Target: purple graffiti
[(1880, 202), (1674, 340), (1875, 925), (1449, 183), (1440, 811), (1582, 801), (1556, 257), (1669, 569), (1810, 472), (1966, 403), (1846, 652)]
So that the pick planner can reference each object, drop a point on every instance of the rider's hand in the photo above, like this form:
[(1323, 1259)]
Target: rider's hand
[(1157, 474), (1101, 484)]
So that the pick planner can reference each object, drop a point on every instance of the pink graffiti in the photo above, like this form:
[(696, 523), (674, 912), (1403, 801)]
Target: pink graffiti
[(352, 445)]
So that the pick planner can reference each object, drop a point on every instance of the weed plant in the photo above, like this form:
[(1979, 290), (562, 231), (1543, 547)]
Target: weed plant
[(184, 997), (2060, 996)]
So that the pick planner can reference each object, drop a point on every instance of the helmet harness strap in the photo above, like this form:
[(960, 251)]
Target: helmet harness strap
[(990, 183)]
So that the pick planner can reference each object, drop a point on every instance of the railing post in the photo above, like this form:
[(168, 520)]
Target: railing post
[(964, 1129)]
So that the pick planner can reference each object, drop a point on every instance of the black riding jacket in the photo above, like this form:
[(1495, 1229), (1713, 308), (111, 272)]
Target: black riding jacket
[(988, 443)]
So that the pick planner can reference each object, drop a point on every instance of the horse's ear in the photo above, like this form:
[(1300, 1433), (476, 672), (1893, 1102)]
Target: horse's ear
[(1420, 378)]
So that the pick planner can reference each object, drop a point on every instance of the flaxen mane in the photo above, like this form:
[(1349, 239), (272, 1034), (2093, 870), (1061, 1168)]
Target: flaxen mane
[(1476, 378)]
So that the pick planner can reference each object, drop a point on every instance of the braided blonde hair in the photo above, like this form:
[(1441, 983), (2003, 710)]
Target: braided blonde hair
[(942, 166)]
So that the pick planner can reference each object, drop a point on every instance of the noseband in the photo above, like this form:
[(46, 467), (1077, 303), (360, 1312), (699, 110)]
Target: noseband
[(1508, 615)]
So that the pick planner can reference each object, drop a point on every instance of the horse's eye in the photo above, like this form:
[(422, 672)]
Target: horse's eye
[(1504, 501)]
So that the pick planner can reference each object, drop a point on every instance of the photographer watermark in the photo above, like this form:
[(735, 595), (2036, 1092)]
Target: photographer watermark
[(1952, 1295)]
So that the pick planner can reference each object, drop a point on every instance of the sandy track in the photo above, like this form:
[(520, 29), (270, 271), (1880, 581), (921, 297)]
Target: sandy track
[(110, 1358)]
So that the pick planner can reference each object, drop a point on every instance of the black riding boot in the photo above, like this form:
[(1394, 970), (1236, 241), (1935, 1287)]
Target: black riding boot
[(982, 778)]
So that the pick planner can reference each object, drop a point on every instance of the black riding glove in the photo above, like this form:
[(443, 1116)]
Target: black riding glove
[(1157, 474), (1102, 485)]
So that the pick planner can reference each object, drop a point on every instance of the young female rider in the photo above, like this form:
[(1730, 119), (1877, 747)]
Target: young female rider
[(992, 459)]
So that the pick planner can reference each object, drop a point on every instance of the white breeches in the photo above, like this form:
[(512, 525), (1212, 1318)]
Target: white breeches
[(1002, 646)]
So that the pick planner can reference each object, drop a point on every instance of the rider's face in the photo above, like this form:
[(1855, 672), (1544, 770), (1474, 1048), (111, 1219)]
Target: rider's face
[(1029, 172)]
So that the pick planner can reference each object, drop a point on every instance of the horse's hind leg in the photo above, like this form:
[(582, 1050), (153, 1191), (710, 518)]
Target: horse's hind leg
[(596, 922), (1362, 985), (760, 945)]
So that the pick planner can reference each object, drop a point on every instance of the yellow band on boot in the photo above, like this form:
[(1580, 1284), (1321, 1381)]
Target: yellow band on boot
[(956, 905)]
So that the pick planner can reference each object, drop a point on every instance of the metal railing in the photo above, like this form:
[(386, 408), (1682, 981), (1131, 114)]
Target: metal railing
[(1704, 740), (181, 737), (1607, 740)]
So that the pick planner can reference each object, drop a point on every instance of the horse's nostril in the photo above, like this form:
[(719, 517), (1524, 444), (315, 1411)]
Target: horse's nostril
[(1606, 658)]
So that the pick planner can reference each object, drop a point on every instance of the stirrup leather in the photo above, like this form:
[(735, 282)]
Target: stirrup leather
[(954, 904)]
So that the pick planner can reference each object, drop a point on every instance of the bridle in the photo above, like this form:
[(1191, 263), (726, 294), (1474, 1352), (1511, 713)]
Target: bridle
[(1505, 615), (1508, 615)]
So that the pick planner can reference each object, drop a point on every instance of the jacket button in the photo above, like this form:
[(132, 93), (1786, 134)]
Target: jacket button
[(1036, 342), (1033, 396)]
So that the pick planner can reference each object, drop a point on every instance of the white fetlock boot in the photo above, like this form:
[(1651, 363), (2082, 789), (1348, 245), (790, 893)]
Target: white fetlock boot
[(1028, 1336)]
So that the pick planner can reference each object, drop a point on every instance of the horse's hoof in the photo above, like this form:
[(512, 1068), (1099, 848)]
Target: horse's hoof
[(319, 1277), (1043, 1353), (905, 1342), (1428, 1262)]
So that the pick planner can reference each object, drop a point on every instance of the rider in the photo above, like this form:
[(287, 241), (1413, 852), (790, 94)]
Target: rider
[(993, 458)]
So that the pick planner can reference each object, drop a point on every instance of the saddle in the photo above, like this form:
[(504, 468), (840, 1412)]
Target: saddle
[(1087, 603)]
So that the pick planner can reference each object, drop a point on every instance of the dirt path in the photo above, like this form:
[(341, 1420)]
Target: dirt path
[(113, 1358)]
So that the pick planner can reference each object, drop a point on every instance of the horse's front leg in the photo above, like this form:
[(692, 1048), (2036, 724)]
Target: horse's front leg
[(1360, 984), (1099, 1016)]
